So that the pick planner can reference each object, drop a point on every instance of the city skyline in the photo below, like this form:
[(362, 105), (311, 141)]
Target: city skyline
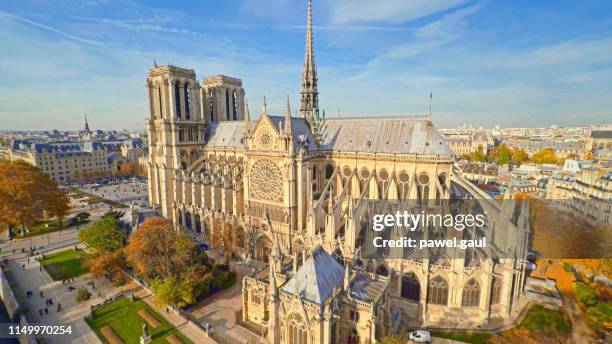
[(537, 65)]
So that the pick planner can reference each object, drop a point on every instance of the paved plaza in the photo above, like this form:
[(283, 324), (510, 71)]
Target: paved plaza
[(126, 193)]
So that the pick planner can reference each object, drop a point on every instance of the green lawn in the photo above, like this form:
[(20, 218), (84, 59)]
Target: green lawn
[(122, 317), (39, 228), (538, 319), (65, 264)]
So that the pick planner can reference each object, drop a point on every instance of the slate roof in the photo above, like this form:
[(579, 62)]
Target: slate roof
[(224, 134), (409, 135), (299, 127), (317, 278), (601, 134), (364, 288), (412, 135)]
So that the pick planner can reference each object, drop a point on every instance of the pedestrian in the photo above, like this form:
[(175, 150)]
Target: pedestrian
[(40, 312), (51, 302), (46, 310), (59, 307), (41, 294)]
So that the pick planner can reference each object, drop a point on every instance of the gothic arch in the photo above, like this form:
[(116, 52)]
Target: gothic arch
[(438, 291), (263, 247), (382, 270), (470, 297), (410, 287)]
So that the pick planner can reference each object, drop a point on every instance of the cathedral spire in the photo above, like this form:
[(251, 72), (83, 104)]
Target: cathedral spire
[(264, 107), (86, 125), (247, 116), (288, 117), (309, 107)]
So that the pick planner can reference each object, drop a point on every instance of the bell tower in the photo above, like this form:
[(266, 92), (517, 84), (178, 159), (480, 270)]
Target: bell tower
[(175, 127)]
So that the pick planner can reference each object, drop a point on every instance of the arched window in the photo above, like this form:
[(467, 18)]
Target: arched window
[(496, 291), (423, 189), (161, 107), (227, 109), (198, 225), (329, 171), (234, 115), (411, 288), (471, 294), (211, 105), (187, 96), (296, 331), (404, 185), (188, 220), (438, 291), (177, 100), (382, 270), (353, 337)]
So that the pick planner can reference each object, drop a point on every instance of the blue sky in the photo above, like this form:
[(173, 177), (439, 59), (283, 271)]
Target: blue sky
[(512, 63)]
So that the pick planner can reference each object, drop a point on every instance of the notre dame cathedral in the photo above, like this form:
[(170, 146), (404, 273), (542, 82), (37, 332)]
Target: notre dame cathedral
[(291, 193)]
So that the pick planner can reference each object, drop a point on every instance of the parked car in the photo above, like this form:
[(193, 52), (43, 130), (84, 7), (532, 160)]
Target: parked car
[(204, 246), (420, 336)]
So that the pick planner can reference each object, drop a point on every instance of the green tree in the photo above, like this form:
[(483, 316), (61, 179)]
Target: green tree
[(519, 156), (82, 295), (478, 155), (103, 236), (545, 156)]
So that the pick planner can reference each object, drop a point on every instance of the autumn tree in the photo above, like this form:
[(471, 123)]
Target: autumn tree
[(519, 156), (27, 195), (179, 273), (104, 236), (501, 155), (478, 155), (157, 251), (545, 156), (107, 264)]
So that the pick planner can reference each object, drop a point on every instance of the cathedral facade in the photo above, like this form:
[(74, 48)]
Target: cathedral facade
[(291, 192)]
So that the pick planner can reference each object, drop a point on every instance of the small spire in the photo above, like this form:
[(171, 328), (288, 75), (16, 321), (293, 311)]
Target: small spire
[(331, 197), (347, 278), (247, 116), (86, 124), (264, 106), (273, 285), (288, 117)]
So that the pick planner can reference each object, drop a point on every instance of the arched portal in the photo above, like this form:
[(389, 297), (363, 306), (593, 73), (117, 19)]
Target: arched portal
[(411, 288), (263, 247)]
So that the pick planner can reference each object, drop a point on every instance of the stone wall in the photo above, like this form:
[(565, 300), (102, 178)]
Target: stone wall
[(12, 305)]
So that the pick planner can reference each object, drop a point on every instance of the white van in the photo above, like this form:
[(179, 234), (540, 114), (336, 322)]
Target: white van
[(420, 336)]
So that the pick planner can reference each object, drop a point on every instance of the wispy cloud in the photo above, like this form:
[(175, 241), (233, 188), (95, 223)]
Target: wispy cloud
[(67, 35), (388, 10)]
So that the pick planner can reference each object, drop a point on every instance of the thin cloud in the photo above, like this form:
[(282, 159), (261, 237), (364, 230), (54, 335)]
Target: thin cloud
[(388, 10), (52, 29)]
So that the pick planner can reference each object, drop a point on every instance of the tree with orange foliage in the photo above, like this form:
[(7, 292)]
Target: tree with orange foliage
[(107, 265), (157, 251), (27, 195)]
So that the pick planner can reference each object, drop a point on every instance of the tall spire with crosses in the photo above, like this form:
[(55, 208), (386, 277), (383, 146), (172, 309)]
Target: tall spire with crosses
[(309, 107)]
